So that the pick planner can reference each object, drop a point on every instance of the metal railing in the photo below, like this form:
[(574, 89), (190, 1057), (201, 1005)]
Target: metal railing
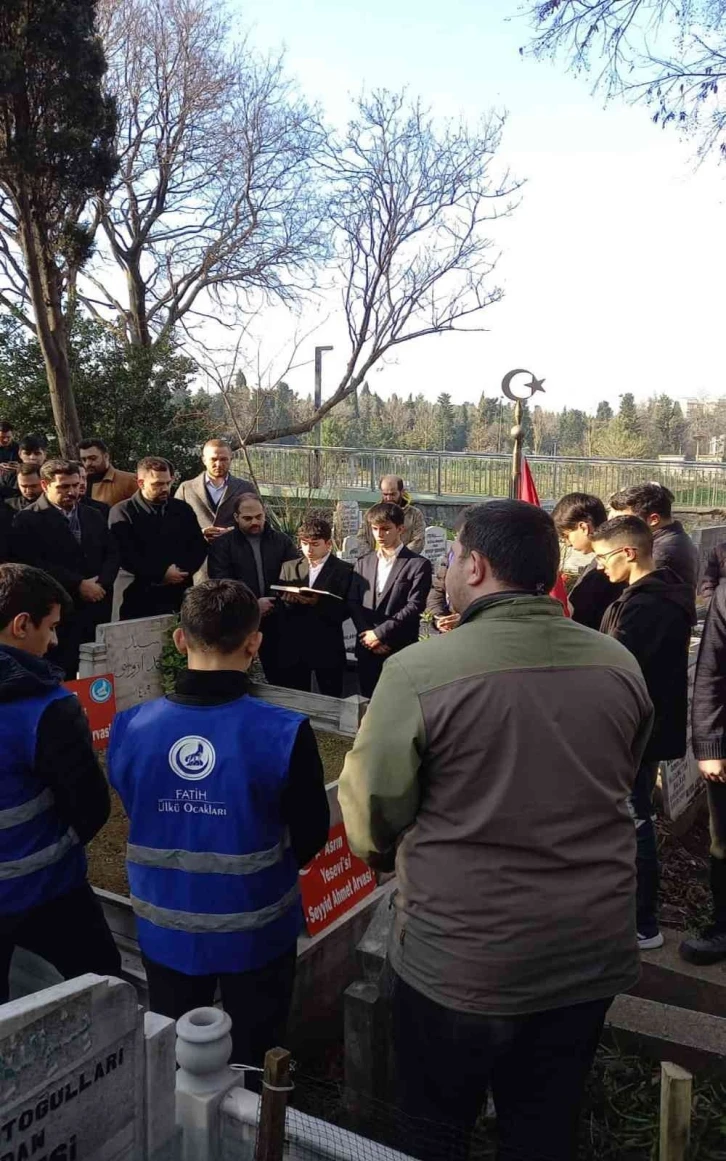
[(466, 474)]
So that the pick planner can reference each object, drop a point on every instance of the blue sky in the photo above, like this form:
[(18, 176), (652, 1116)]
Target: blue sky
[(612, 265)]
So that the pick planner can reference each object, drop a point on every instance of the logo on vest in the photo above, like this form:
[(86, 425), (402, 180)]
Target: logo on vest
[(192, 758)]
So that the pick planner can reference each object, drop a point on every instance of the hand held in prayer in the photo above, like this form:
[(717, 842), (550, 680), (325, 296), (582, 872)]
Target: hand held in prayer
[(713, 769), (211, 532), (174, 575), (447, 623), (266, 604), (90, 590)]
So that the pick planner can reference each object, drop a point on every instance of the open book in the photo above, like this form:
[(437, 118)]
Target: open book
[(304, 591)]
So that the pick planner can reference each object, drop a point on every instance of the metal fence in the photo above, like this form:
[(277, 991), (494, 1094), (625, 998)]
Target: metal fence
[(333, 469)]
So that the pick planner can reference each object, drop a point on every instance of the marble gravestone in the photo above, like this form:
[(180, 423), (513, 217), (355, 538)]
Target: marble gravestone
[(347, 519), (435, 544), (131, 651), (72, 1065), (353, 548)]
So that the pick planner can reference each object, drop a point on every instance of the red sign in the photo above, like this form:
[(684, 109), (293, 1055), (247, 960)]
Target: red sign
[(333, 882), (96, 695)]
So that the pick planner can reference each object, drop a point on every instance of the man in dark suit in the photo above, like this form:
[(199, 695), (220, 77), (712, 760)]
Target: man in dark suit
[(255, 553), (73, 544), (159, 541), (212, 494), (311, 627), (393, 584)]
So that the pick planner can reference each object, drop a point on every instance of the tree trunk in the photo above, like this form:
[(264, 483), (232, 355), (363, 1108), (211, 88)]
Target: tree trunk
[(140, 334), (46, 295)]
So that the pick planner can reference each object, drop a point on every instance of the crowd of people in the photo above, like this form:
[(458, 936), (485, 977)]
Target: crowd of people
[(505, 766)]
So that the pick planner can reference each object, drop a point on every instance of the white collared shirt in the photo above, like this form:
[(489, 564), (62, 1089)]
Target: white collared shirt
[(216, 491), (316, 569), (383, 571)]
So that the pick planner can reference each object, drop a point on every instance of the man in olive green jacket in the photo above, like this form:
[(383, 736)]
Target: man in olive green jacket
[(496, 762)]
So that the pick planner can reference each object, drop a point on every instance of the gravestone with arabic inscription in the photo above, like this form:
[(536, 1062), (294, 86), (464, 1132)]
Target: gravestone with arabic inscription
[(347, 519), (353, 548)]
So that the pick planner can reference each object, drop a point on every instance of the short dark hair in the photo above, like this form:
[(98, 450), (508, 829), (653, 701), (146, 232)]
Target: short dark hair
[(219, 614), (86, 444), (576, 506), (626, 528), (315, 528), (246, 496), (29, 590), (386, 475), (29, 470), (5, 425), (33, 443), (385, 514), (519, 540), (59, 467), (153, 464), (644, 500)]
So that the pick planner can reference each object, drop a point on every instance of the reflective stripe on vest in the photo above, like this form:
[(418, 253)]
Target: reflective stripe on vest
[(205, 862), (16, 868), (15, 815), (196, 923)]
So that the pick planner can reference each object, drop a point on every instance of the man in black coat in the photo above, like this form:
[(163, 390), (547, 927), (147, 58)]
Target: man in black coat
[(71, 543), (255, 553), (389, 596), (652, 618), (576, 517), (311, 627), (708, 738), (672, 546), (159, 541)]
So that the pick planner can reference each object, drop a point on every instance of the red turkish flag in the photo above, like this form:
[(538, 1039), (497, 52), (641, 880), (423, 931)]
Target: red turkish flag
[(528, 493)]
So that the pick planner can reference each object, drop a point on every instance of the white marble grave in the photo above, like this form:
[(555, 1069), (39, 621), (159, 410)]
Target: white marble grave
[(347, 519), (353, 548), (435, 544), (72, 1065), (131, 651)]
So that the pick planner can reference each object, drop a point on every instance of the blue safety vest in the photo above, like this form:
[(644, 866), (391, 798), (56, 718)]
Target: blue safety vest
[(40, 856), (213, 882)]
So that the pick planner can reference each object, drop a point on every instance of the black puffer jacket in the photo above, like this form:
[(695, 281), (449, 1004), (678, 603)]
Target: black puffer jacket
[(64, 756), (714, 572), (674, 549), (652, 619)]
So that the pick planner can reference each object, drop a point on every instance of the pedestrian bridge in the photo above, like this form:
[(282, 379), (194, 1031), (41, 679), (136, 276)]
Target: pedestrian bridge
[(338, 472)]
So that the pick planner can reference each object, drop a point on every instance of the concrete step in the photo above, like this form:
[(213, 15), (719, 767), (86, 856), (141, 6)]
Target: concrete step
[(695, 1040), (668, 979)]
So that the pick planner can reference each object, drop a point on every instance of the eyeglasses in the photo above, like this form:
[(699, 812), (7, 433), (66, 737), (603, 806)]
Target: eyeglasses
[(601, 557)]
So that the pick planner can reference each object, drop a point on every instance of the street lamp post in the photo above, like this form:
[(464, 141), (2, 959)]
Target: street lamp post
[(317, 401)]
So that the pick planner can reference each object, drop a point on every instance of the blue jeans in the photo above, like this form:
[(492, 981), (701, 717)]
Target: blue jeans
[(646, 859)]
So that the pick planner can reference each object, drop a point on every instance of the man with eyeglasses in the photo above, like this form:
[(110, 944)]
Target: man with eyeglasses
[(652, 618)]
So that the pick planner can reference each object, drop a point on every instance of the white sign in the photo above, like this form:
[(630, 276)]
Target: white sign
[(680, 778), (434, 544)]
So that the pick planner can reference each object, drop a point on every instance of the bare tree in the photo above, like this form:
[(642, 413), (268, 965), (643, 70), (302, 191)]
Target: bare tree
[(670, 54), (409, 203), (215, 200), (56, 151)]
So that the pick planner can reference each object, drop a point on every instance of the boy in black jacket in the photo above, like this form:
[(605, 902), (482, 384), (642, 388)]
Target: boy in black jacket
[(576, 517), (652, 618)]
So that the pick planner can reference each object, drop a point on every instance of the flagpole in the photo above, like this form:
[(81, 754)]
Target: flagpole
[(517, 432)]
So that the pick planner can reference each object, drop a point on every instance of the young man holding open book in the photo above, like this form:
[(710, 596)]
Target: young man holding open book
[(314, 592)]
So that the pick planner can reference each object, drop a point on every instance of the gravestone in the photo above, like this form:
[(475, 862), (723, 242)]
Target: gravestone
[(435, 544), (680, 778), (72, 1064), (131, 651), (347, 519), (353, 548)]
